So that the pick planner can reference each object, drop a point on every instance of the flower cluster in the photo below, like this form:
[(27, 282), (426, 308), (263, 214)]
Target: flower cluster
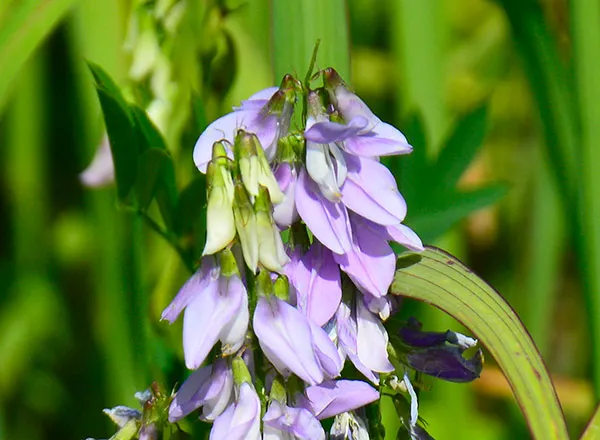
[(268, 323)]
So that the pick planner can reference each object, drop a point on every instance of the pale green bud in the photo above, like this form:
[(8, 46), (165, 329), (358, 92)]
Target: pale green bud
[(264, 284), (281, 288), (278, 392), (245, 223), (240, 372), (220, 223), (228, 263), (271, 251)]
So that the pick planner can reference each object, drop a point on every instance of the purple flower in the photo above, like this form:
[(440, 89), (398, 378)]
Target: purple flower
[(216, 308), (328, 221), (345, 331), (283, 422), (318, 285), (361, 336), (293, 343), (337, 396), (241, 420), (371, 340), (207, 273), (370, 190), (250, 116), (370, 263), (210, 387)]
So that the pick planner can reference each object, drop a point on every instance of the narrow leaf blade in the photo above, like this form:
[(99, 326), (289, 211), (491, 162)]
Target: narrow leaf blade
[(442, 212), (440, 279)]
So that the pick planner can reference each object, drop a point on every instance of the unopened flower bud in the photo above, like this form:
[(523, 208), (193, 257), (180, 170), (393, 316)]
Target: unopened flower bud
[(247, 159), (220, 224), (254, 166), (245, 223), (271, 252)]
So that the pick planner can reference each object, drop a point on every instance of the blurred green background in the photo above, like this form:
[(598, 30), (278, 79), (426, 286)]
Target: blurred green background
[(82, 282)]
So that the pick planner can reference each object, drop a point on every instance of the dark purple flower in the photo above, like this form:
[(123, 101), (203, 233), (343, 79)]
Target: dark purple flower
[(440, 354)]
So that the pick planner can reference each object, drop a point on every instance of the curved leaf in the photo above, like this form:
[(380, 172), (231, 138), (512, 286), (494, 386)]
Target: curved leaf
[(438, 278)]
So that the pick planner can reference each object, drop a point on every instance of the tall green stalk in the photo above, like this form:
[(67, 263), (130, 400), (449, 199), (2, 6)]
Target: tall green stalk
[(417, 39), (297, 25), (586, 44)]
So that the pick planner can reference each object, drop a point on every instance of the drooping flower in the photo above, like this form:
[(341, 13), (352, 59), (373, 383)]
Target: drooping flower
[(293, 343), (337, 396), (318, 284), (209, 387), (216, 308), (241, 420), (282, 422)]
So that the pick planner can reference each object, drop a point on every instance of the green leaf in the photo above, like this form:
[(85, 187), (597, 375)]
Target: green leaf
[(432, 217), (435, 277), (148, 133), (26, 25), (121, 131), (460, 148), (153, 165)]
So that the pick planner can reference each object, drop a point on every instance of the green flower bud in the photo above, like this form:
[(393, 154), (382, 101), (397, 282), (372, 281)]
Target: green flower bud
[(240, 372), (228, 262), (220, 224)]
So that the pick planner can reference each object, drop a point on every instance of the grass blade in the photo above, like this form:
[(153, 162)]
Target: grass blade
[(440, 279), (296, 28), (22, 31)]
